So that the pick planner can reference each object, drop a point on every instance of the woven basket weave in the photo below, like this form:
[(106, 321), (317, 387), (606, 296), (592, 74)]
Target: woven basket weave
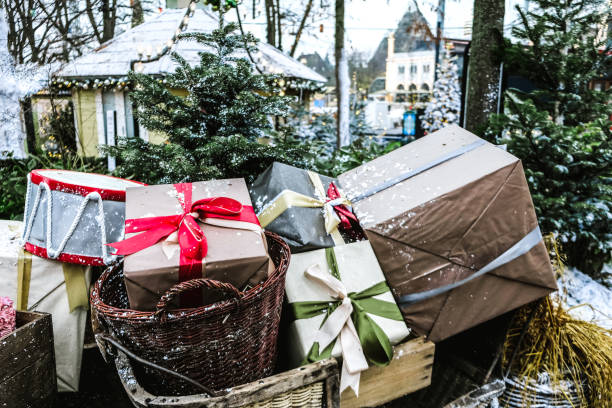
[(228, 343), (310, 396)]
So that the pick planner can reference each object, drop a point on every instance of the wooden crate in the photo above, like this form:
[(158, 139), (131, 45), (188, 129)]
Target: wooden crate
[(313, 385), (409, 371), (27, 363)]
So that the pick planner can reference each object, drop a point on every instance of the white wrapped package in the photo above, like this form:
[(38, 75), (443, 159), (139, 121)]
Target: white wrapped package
[(359, 270), (47, 292)]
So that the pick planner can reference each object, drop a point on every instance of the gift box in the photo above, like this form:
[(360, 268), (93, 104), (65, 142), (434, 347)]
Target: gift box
[(58, 288), (342, 307), (452, 224), (305, 208), (69, 216), (186, 231)]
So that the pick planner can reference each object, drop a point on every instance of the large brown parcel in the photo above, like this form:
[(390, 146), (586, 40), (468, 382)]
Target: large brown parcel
[(452, 224), (234, 255)]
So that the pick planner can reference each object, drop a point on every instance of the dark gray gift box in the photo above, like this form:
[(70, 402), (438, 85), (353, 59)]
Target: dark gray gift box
[(302, 228)]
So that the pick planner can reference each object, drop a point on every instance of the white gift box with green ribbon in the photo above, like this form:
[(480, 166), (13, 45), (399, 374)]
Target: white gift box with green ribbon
[(355, 317)]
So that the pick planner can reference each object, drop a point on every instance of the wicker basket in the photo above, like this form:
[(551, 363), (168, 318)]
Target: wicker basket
[(228, 343), (311, 386)]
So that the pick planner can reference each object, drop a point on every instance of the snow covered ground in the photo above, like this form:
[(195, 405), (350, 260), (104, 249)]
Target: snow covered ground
[(592, 300)]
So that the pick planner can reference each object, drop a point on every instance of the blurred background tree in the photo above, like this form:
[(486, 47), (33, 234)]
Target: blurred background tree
[(561, 130)]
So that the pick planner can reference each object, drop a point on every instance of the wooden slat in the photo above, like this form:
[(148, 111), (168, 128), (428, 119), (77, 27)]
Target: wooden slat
[(32, 387), (27, 374), (409, 371), (22, 348)]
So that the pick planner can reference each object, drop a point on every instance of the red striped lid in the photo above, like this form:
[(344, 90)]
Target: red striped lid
[(75, 182)]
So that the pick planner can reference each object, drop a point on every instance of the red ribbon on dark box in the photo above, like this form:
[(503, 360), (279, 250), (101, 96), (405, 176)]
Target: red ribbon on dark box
[(191, 238), (341, 210)]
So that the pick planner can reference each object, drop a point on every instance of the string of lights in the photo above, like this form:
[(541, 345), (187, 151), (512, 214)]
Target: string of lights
[(146, 55), (116, 83)]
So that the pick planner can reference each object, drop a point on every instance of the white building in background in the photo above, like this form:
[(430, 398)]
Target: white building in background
[(408, 73)]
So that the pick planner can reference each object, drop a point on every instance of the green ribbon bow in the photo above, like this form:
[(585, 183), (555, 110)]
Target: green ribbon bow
[(375, 343)]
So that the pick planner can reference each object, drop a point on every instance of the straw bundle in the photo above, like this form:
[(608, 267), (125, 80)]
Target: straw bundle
[(575, 355)]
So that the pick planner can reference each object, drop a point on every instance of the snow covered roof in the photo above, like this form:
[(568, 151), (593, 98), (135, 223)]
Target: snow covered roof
[(113, 57)]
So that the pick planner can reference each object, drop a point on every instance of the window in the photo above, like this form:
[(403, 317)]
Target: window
[(412, 88), (400, 95), (425, 87), (413, 69), (401, 69), (426, 68)]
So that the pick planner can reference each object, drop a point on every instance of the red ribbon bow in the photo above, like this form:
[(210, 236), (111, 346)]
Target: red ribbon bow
[(191, 239), (343, 212)]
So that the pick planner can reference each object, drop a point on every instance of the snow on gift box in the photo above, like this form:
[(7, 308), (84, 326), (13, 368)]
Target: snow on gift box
[(70, 216), (186, 231), (452, 224), (342, 306), (305, 208)]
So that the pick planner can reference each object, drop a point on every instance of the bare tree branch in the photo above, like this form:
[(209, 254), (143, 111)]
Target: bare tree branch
[(301, 27)]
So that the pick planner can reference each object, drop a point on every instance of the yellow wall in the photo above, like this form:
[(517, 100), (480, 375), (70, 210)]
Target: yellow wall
[(41, 107), (156, 137), (87, 126)]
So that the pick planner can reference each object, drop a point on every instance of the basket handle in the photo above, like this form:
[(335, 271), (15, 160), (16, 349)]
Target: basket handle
[(175, 290), (102, 337)]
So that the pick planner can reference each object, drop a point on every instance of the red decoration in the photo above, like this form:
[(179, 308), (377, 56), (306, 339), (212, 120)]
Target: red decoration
[(191, 239), (342, 210)]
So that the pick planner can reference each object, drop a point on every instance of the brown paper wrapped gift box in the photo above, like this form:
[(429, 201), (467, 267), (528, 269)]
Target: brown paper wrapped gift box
[(234, 256), (445, 223)]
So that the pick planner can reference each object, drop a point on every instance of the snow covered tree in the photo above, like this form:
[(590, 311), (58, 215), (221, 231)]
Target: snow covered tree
[(561, 49), (212, 131), (561, 130), (444, 107), (358, 125), (17, 82), (11, 136), (320, 130)]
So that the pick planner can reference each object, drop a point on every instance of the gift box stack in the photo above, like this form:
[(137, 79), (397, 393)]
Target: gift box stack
[(340, 303), (428, 240), (197, 248), (452, 239)]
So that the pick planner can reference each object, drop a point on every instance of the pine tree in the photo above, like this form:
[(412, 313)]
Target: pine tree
[(561, 130), (358, 125), (445, 104), (319, 131), (212, 131), (561, 50)]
